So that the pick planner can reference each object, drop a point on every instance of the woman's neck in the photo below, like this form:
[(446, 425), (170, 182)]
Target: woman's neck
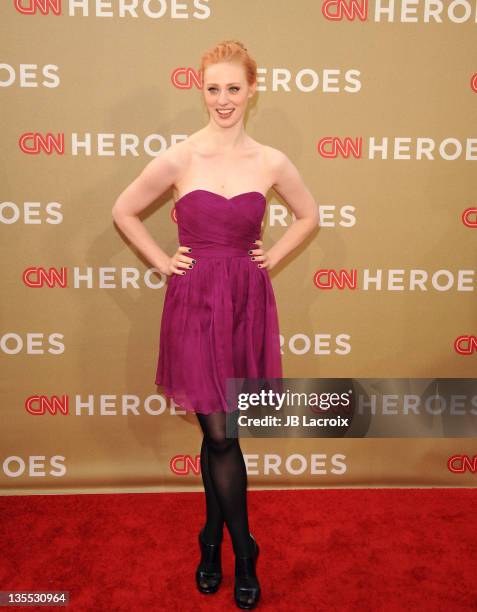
[(227, 139)]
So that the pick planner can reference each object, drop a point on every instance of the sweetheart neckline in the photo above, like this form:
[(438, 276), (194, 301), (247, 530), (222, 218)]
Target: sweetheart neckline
[(219, 195)]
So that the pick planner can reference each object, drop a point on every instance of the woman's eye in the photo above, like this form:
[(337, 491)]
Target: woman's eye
[(235, 89)]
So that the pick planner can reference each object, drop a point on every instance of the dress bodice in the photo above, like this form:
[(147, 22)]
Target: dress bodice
[(213, 225)]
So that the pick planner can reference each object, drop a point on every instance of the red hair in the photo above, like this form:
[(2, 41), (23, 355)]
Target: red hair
[(228, 51)]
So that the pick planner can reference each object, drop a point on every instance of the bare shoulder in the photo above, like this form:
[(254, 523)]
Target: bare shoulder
[(271, 159), (288, 183), (280, 167), (172, 158), (277, 160), (168, 166)]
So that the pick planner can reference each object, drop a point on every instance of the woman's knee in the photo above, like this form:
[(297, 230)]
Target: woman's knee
[(219, 443)]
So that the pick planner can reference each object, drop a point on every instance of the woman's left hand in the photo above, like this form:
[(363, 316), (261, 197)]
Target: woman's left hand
[(260, 256)]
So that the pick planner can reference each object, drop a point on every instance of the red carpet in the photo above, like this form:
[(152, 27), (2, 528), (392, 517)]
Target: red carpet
[(330, 550)]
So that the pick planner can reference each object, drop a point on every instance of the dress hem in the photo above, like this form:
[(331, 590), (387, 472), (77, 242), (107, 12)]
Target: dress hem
[(168, 392)]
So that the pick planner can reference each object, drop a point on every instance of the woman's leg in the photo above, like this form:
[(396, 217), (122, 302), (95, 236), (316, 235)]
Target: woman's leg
[(229, 477), (214, 526)]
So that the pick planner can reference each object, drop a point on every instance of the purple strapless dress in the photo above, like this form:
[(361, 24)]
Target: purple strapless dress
[(220, 318)]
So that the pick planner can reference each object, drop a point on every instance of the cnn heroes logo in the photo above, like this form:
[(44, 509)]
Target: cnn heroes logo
[(380, 279), (403, 11), (304, 80), (152, 9), (101, 405), (272, 464)]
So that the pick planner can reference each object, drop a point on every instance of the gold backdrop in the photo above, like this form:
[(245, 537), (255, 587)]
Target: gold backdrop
[(91, 94)]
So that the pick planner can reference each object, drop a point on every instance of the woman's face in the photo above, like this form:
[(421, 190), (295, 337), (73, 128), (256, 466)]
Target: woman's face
[(226, 89)]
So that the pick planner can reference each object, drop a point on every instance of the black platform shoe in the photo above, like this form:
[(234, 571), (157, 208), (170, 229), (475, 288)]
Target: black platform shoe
[(208, 575), (247, 588)]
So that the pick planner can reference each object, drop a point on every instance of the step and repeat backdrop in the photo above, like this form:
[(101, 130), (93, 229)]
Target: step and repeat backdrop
[(373, 101)]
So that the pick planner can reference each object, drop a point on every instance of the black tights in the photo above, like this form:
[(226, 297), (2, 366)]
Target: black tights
[(225, 483)]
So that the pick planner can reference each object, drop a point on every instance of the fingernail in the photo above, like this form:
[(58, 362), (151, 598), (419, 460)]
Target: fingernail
[(193, 261), (190, 266), (253, 258), (250, 252), (259, 265), (189, 250)]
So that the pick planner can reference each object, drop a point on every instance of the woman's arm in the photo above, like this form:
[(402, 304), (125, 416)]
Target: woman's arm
[(158, 176), (289, 185)]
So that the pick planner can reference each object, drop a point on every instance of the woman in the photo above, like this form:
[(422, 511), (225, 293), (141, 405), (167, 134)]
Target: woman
[(219, 318)]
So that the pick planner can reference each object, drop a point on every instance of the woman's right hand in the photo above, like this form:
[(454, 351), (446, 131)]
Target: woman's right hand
[(179, 262)]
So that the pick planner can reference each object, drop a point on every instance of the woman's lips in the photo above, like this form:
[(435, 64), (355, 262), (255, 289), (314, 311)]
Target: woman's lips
[(225, 115)]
